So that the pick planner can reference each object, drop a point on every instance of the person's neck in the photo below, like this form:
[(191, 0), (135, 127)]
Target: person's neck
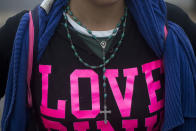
[(98, 17)]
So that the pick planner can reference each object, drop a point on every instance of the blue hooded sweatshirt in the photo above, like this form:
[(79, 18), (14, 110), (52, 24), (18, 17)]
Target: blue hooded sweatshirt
[(150, 15)]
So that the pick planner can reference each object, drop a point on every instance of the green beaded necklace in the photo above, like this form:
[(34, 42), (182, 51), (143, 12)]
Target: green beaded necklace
[(103, 45)]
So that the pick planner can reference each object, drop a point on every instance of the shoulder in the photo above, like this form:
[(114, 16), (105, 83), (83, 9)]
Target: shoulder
[(12, 23), (176, 14)]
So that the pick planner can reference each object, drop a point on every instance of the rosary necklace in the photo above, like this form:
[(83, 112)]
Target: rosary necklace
[(103, 44)]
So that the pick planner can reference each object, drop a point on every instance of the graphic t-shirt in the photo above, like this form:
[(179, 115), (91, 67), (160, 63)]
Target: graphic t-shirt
[(69, 96), (87, 39)]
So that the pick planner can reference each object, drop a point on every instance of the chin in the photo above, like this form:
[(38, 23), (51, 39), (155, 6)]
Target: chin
[(104, 2)]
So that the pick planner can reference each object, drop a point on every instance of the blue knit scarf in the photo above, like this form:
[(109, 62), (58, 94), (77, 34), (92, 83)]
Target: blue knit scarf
[(178, 58), (150, 15)]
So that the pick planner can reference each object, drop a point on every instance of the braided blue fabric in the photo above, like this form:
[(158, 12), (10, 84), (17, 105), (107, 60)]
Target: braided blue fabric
[(150, 15), (178, 58)]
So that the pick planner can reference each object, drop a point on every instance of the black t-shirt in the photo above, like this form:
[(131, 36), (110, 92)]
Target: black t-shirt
[(8, 31), (70, 95), (67, 95)]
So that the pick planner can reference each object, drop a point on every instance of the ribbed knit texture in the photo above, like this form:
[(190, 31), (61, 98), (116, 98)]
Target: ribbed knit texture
[(178, 58), (48, 24), (15, 102), (150, 15)]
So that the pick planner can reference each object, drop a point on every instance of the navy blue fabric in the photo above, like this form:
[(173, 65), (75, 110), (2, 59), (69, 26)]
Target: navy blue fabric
[(14, 115), (178, 58), (150, 15), (48, 24), (15, 112)]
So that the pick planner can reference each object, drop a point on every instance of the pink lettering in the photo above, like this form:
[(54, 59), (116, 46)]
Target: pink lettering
[(130, 125), (60, 111), (153, 86), (150, 122), (124, 104), (81, 126), (53, 125), (81, 114), (104, 127)]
